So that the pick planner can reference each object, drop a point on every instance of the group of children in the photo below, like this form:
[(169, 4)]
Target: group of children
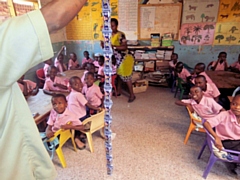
[(223, 125)]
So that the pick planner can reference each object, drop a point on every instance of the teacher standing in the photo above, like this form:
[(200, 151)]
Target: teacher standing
[(125, 60)]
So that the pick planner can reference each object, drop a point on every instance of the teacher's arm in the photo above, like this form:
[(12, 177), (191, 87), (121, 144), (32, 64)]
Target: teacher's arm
[(59, 13)]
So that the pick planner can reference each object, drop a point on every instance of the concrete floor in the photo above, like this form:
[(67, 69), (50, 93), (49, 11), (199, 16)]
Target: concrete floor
[(148, 146)]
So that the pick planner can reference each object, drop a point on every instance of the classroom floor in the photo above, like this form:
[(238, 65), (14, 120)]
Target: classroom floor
[(148, 145)]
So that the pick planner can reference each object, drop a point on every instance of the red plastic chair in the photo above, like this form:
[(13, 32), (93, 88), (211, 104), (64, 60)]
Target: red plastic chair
[(41, 77), (113, 84)]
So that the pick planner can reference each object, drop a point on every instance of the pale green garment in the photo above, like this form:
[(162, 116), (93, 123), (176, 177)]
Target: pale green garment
[(24, 43)]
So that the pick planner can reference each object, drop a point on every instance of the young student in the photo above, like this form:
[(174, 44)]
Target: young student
[(227, 129), (205, 107), (89, 68), (73, 63), (208, 89), (181, 72), (59, 61), (200, 70), (173, 62), (221, 63), (114, 65), (92, 92), (47, 64), (100, 67), (61, 117), (86, 58), (53, 83), (96, 58), (235, 67), (27, 87)]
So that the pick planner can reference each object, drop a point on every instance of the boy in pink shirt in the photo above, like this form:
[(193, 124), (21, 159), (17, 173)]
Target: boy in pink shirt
[(221, 63), (54, 83), (47, 64), (227, 127), (209, 89), (89, 68), (200, 70), (235, 67), (173, 62), (61, 118), (27, 87), (205, 107), (181, 72), (73, 63), (86, 58)]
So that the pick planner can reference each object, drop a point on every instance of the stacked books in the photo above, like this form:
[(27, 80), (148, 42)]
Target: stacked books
[(167, 39), (152, 55), (138, 54), (155, 40), (168, 55), (160, 54)]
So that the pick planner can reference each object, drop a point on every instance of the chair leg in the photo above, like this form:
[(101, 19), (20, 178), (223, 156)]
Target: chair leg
[(181, 94), (190, 130), (90, 142), (211, 162), (102, 133), (176, 92), (173, 86), (203, 147), (61, 157)]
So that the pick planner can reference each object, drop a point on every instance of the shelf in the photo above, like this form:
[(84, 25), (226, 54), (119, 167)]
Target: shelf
[(151, 60), (146, 48)]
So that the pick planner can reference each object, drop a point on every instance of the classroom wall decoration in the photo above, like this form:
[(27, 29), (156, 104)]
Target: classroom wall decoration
[(229, 11), (87, 25)]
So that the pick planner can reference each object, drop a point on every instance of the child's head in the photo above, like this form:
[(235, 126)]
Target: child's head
[(96, 56), (90, 67), (59, 103), (73, 56), (222, 56), (196, 93), (179, 67), (49, 61), (89, 78), (235, 105), (200, 67), (60, 58), (174, 57), (200, 81), (114, 60), (76, 83), (86, 54), (101, 60), (52, 71)]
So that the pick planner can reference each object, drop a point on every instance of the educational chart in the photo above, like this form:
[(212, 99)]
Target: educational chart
[(87, 25), (197, 33), (229, 11), (199, 11), (161, 18), (127, 11)]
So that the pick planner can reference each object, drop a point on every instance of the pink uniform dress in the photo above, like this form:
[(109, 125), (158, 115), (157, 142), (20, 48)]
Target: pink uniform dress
[(93, 95), (236, 65), (57, 120), (220, 67), (184, 74), (114, 69), (49, 84), (100, 71), (30, 85), (58, 65), (211, 91), (226, 125), (77, 103), (207, 107), (45, 69), (85, 60), (71, 63)]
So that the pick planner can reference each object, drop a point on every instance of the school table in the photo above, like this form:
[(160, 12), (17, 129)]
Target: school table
[(70, 73), (224, 79)]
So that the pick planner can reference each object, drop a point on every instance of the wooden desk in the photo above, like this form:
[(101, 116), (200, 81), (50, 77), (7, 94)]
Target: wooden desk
[(41, 103), (224, 79), (70, 73)]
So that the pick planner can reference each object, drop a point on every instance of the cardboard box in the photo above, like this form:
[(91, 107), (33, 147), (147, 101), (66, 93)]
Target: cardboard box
[(140, 86)]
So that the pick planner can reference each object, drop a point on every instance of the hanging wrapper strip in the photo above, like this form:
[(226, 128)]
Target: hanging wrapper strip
[(107, 51)]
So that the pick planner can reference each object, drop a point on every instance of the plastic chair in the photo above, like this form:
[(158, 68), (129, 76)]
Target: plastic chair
[(179, 86), (113, 84), (63, 136), (41, 77), (96, 123), (195, 124), (212, 159), (235, 91)]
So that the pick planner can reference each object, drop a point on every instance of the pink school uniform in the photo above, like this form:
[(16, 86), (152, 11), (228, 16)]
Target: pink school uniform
[(211, 91), (58, 65), (236, 65), (172, 65), (220, 67), (207, 107), (226, 125), (57, 120), (114, 69), (93, 95), (85, 60), (76, 103), (49, 84), (184, 74), (45, 69), (83, 77), (100, 71), (209, 80), (71, 63), (30, 85)]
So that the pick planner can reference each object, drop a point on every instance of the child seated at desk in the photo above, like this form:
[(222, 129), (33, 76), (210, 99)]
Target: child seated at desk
[(53, 83), (89, 68), (208, 89), (204, 106), (61, 118), (73, 63), (27, 87), (200, 70), (47, 64), (227, 129), (86, 59), (235, 67), (59, 61), (221, 63)]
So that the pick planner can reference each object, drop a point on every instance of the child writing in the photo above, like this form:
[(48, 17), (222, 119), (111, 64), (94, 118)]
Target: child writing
[(227, 129), (59, 61), (205, 107), (61, 118), (27, 87), (47, 64), (53, 83), (235, 67), (73, 63), (221, 63), (86, 58)]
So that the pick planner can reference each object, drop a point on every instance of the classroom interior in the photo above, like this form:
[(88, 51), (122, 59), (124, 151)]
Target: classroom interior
[(150, 131)]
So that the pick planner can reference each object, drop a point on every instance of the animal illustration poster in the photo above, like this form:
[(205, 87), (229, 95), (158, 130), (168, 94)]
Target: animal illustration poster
[(87, 25), (227, 34), (229, 11), (199, 11), (197, 33)]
